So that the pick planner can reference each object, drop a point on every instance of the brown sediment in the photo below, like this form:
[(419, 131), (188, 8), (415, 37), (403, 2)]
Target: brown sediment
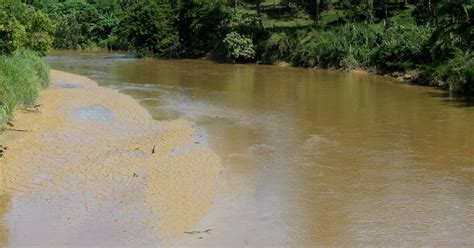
[(99, 146)]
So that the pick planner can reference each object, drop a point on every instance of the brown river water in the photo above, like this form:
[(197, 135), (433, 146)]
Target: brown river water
[(311, 157)]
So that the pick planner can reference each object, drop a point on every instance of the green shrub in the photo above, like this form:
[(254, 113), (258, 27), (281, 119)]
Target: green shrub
[(244, 23), (349, 47), (456, 74), (277, 48), (12, 33), (238, 47), (200, 26), (157, 36), (68, 32), (23, 26), (401, 47), (352, 46), (323, 49), (39, 29)]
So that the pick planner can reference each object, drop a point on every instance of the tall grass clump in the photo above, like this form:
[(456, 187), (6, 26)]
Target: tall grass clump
[(455, 74), (351, 46), (41, 68), (7, 100), (392, 48), (402, 47), (277, 48), (22, 75)]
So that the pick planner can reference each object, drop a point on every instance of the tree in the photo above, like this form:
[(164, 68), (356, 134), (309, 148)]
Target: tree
[(156, 36), (23, 26), (454, 27)]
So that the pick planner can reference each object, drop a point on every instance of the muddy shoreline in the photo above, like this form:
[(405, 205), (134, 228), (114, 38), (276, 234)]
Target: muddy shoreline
[(93, 167)]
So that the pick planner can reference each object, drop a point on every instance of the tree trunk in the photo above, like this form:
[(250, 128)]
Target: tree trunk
[(257, 5), (316, 14)]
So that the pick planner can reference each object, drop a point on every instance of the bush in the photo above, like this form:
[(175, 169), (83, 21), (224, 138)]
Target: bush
[(238, 47), (244, 23), (23, 26), (456, 74), (12, 33), (155, 37), (22, 75), (396, 49), (323, 49), (277, 48), (402, 47), (349, 47), (200, 26)]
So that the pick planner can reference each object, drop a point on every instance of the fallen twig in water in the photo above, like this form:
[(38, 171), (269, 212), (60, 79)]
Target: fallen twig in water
[(32, 108)]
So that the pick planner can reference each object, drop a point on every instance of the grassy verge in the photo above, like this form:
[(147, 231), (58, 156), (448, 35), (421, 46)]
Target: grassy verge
[(22, 76)]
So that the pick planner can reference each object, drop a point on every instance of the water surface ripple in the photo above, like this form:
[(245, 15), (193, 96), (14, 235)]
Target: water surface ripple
[(313, 157)]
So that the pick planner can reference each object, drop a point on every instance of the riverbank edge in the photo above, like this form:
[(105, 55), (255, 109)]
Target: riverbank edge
[(411, 77)]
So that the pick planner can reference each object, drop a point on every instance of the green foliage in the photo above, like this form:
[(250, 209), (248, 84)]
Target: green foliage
[(238, 47), (244, 23), (456, 74), (22, 75), (451, 61), (81, 23), (460, 75), (323, 49), (34, 61), (200, 26), (401, 47), (39, 30), (12, 33), (76, 20), (23, 26), (454, 28), (397, 48), (155, 37), (277, 48), (68, 32), (380, 35), (348, 47)]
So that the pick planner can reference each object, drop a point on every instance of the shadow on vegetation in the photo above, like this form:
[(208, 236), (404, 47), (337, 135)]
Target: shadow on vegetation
[(279, 12), (290, 30)]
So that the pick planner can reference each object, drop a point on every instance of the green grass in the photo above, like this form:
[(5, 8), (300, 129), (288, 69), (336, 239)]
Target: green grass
[(22, 76)]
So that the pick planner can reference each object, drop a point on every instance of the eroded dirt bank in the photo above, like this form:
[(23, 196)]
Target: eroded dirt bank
[(92, 167)]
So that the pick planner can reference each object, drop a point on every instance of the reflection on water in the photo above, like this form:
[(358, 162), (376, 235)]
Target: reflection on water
[(313, 157)]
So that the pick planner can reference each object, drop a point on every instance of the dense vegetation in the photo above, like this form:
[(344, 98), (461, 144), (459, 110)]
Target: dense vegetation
[(429, 42), (25, 33), (22, 75)]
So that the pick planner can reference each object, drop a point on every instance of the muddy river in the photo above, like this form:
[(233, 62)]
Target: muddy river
[(311, 157)]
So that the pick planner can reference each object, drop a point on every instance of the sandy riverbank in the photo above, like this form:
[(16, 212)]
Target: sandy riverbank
[(93, 167)]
